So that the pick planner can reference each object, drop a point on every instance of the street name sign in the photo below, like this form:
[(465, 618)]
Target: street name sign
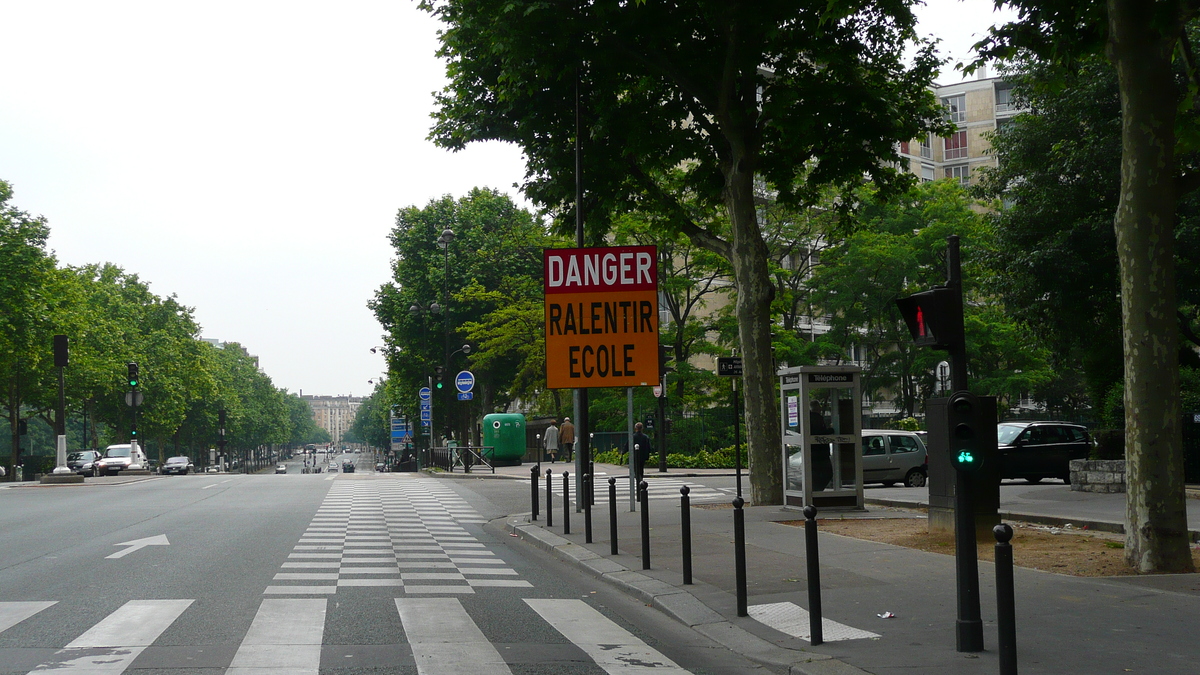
[(601, 316)]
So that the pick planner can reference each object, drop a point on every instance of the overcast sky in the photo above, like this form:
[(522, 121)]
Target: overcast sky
[(250, 156)]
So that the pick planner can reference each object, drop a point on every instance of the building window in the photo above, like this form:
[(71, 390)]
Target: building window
[(962, 172), (904, 148), (956, 145), (926, 148), (1004, 100), (926, 173), (956, 108)]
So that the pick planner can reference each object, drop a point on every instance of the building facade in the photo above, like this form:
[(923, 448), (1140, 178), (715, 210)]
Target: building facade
[(334, 414), (977, 108)]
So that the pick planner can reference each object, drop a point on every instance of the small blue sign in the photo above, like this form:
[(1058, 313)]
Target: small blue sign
[(464, 382), (426, 415), (426, 405), (424, 423), (424, 393), (465, 396)]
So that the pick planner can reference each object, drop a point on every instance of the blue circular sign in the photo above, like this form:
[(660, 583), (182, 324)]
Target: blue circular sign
[(424, 393), (464, 381)]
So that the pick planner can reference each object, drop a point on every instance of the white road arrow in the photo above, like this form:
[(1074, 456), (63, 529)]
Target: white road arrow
[(136, 544)]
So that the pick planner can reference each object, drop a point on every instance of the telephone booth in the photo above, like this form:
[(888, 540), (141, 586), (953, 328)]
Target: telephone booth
[(821, 412)]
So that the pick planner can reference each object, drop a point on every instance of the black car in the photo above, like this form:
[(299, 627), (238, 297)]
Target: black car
[(179, 466), (347, 467), (1039, 450), (82, 461)]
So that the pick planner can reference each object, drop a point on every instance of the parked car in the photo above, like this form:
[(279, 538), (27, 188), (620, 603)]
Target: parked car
[(82, 462), (380, 467), (179, 466), (347, 467), (332, 467), (115, 459), (281, 468), (1039, 450), (889, 457)]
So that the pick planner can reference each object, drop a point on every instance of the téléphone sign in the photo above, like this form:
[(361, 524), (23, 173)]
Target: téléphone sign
[(601, 316)]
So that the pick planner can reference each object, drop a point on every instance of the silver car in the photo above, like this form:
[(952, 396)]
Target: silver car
[(891, 457)]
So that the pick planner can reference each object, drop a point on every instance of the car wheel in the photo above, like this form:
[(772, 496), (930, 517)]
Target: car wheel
[(1034, 480), (914, 478)]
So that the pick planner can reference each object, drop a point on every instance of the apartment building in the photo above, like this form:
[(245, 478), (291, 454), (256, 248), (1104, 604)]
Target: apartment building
[(334, 414), (977, 108)]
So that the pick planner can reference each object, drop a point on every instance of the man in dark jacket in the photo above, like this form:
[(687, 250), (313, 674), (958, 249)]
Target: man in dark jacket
[(641, 451)]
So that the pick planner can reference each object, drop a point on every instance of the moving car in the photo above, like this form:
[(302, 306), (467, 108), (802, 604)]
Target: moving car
[(281, 468), (179, 466), (1039, 450), (117, 458), (82, 461), (347, 467)]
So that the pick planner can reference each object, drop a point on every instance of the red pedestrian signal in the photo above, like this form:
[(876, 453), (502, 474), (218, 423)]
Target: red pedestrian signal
[(934, 318)]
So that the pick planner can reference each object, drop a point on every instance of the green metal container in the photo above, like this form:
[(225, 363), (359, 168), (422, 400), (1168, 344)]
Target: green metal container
[(504, 433)]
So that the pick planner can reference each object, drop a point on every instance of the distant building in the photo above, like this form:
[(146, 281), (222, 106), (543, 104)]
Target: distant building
[(976, 107), (334, 414)]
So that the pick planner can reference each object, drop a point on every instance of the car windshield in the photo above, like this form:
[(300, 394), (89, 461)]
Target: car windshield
[(78, 455), (116, 452), (1005, 433), (177, 460)]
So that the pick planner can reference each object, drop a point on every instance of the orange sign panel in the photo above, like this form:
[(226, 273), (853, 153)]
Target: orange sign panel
[(601, 317)]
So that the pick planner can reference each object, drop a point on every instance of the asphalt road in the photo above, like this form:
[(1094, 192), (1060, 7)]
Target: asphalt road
[(308, 573)]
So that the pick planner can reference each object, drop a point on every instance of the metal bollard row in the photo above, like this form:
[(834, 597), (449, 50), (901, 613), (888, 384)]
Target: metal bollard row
[(612, 514), (812, 557), (739, 554), (587, 508), (549, 500), (1006, 609), (644, 498), (533, 490), (566, 502), (685, 527)]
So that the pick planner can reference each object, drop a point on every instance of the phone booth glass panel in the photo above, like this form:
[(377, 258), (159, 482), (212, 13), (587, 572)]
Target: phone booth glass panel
[(820, 410)]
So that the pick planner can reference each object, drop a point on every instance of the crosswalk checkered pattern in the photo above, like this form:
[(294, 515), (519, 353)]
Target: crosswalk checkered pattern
[(405, 534), (286, 637)]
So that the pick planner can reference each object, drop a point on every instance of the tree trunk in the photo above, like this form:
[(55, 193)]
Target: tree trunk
[(1156, 517), (753, 310)]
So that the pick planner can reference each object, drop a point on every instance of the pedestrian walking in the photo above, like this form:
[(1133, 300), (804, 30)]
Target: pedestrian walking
[(550, 441), (566, 438), (641, 447)]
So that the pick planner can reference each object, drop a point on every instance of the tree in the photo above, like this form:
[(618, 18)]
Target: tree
[(1141, 39), (692, 103)]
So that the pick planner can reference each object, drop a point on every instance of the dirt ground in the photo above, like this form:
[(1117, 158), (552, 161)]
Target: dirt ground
[(1075, 552)]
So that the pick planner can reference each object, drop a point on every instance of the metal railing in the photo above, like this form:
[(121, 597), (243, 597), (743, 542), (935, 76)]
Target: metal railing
[(465, 457)]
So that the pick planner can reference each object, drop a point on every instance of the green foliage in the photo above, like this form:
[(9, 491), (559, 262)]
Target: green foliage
[(908, 424)]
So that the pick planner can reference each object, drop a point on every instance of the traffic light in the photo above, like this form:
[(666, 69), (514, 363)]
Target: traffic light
[(134, 380), (966, 434), (664, 355), (934, 317), (437, 374)]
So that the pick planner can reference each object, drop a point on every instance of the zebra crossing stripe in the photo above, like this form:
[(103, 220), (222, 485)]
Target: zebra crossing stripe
[(444, 639), (13, 613), (613, 648), (284, 638), (111, 645)]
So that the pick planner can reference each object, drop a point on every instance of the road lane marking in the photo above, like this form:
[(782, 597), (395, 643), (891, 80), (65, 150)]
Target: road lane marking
[(13, 613), (284, 638), (139, 544), (111, 645), (613, 648), (444, 639), (216, 484)]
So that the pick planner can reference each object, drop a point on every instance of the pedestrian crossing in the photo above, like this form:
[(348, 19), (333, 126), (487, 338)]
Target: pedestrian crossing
[(287, 637), (658, 489), (408, 535)]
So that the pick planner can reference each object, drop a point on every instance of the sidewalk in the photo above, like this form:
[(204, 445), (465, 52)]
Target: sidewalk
[(1064, 624)]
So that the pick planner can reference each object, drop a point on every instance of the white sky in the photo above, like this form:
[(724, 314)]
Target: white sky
[(249, 156)]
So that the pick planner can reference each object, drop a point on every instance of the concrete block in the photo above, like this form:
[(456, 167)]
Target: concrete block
[(686, 609), (61, 479)]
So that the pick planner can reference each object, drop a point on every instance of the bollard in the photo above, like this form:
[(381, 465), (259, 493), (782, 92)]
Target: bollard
[(587, 508), (549, 500), (566, 502), (739, 554), (644, 498), (685, 525), (533, 489), (612, 515), (1006, 608), (814, 575)]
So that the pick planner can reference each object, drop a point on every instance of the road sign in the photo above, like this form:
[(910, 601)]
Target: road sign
[(426, 415), (729, 366), (465, 395), (601, 316), (464, 382), (424, 423), (424, 393), (133, 398)]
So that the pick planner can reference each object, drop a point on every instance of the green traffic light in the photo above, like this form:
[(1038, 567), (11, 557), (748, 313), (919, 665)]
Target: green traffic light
[(133, 383), (439, 385), (965, 457)]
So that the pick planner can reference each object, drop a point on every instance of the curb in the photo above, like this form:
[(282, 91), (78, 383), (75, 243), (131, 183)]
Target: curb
[(679, 604)]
